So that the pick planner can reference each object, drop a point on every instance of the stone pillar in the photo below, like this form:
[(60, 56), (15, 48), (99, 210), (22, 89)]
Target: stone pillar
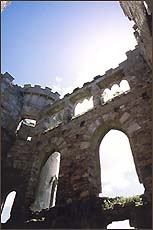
[(68, 111), (96, 92)]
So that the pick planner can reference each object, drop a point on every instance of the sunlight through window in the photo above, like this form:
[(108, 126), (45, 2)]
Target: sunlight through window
[(115, 90), (118, 173), (107, 95), (84, 106), (124, 85)]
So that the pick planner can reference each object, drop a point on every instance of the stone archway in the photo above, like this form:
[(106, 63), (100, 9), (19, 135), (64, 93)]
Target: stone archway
[(101, 129), (118, 173), (47, 187)]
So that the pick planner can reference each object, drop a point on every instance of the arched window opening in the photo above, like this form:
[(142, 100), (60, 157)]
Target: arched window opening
[(107, 95), (118, 173), (124, 86), (28, 122), (120, 225), (115, 90), (83, 107), (47, 188), (5, 216)]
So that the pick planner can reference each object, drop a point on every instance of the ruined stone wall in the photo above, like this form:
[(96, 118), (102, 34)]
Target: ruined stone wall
[(78, 141), (78, 138), (11, 104), (136, 11), (18, 103), (36, 99)]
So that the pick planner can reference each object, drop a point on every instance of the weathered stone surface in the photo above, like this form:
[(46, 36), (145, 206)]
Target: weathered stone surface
[(84, 145), (124, 117), (133, 128), (136, 11)]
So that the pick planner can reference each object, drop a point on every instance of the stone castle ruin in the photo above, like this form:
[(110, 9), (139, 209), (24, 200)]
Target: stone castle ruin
[(50, 156)]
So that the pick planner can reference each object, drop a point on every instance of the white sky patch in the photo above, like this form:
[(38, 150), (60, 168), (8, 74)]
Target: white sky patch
[(120, 225), (58, 79), (118, 173), (58, 87), (8, 206)]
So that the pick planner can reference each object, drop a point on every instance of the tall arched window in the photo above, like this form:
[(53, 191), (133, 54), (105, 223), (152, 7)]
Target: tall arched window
[(8, 206), (118, 173), (46, 192)]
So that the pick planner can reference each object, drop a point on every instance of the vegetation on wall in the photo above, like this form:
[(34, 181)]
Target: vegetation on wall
[(111, 203)]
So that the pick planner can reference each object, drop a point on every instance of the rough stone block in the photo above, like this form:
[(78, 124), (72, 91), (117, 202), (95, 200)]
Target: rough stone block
[(134, 127), (84, 145), (124, 117)]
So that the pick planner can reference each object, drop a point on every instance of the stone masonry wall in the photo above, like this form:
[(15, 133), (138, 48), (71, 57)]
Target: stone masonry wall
[(136, 11), (18, 103), (78, 138), (11, 104)]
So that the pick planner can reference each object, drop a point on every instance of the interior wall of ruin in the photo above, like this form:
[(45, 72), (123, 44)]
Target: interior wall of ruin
[(78, 139)]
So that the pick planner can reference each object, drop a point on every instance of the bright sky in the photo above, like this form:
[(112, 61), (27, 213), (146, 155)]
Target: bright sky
[(63, 45)]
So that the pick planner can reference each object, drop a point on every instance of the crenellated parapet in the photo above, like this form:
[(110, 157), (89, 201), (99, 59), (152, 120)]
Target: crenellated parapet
[(36, 99), (37, 89), (19, 103)]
